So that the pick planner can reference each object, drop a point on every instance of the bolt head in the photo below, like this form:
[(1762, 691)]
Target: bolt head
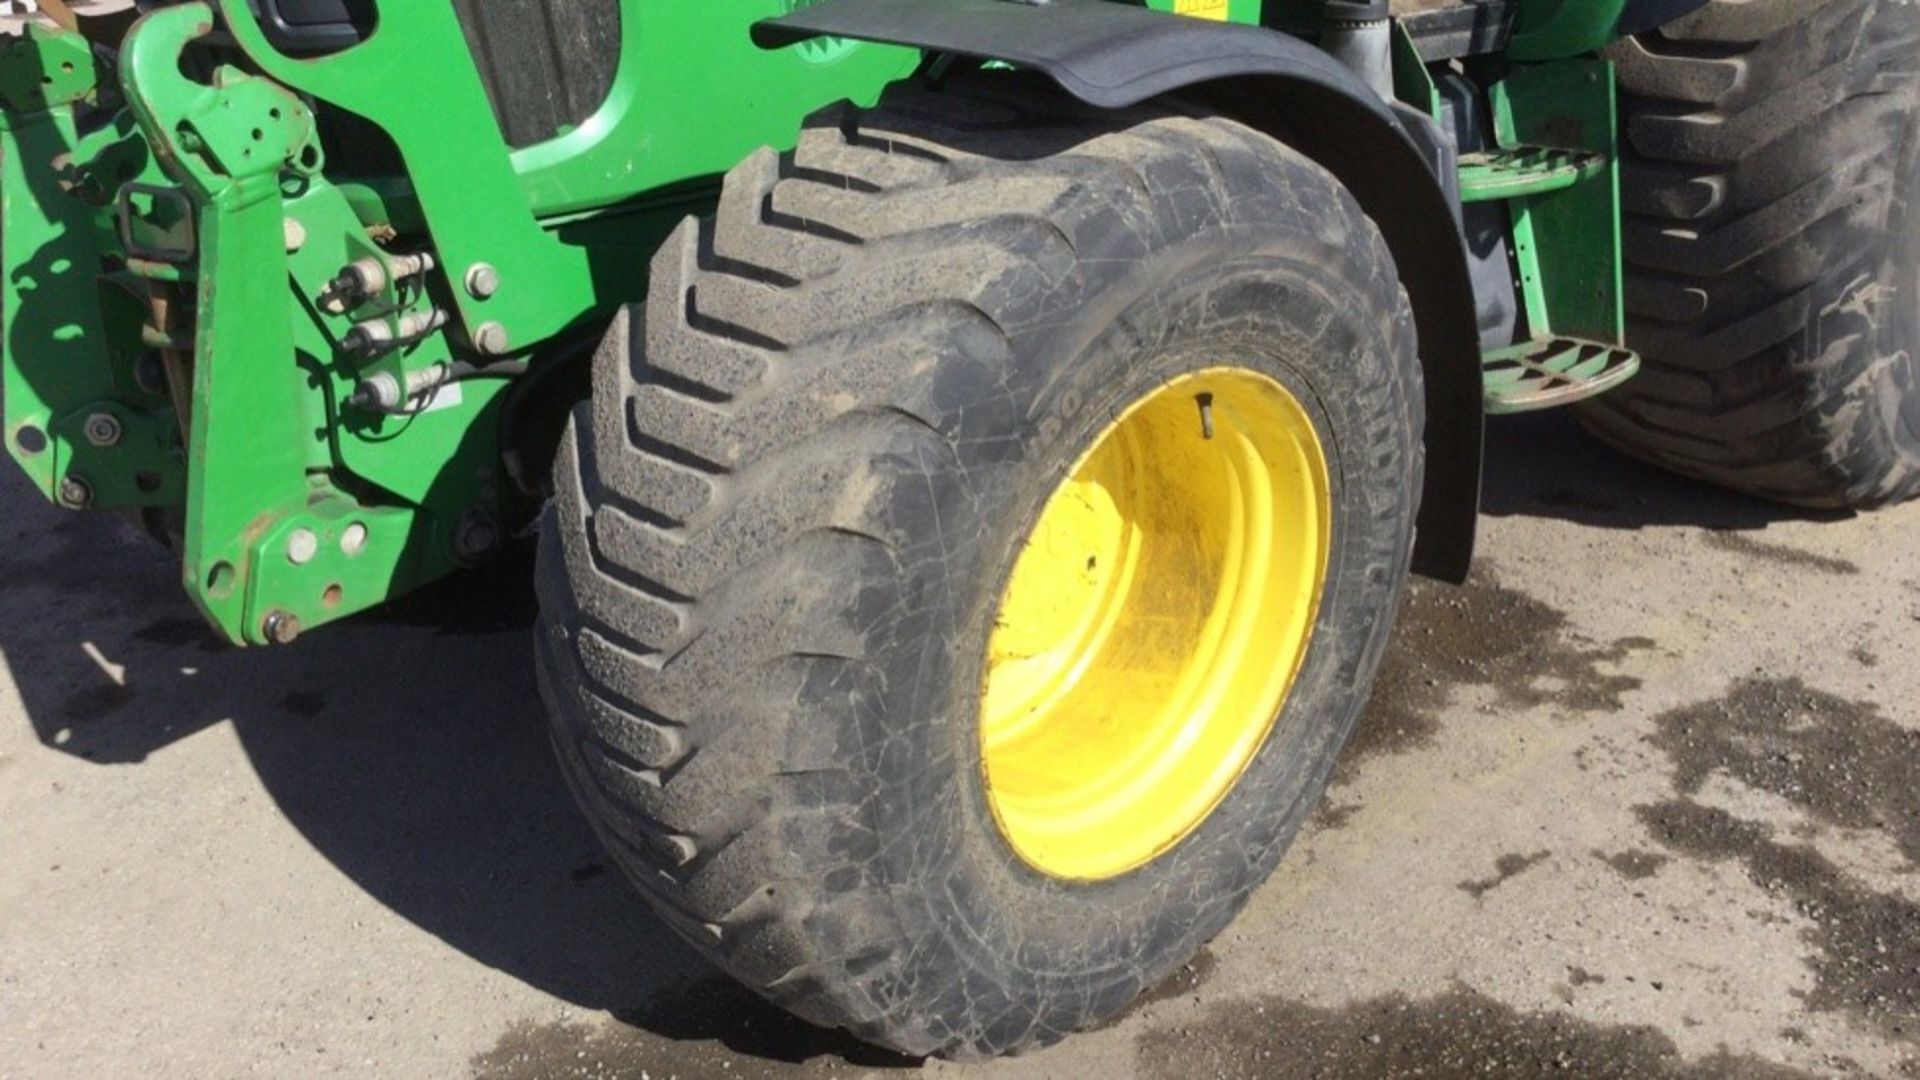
[(103, 429), (491, 339), (482, 281), (476, 536), (302, 546), (76, 493), (280, 627), (295, 232), (353, 540)]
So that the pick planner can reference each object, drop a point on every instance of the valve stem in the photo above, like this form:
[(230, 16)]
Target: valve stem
[(1206, 415)]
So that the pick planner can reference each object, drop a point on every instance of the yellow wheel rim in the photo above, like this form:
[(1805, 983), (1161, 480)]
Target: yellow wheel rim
[(1154, 623)]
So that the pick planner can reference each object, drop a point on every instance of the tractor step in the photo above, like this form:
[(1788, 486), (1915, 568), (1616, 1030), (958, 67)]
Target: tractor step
[(1491, 175), (1551, 372)]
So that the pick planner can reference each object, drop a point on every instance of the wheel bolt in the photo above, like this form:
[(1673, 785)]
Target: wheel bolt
[(475, 536)]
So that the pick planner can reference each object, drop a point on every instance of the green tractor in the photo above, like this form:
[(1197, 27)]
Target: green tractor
[(976, 446)]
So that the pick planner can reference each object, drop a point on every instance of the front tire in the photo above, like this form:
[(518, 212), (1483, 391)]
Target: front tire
[(784, 531)]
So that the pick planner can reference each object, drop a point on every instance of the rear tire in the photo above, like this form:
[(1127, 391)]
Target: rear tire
[(782, 527), (1773, 250)]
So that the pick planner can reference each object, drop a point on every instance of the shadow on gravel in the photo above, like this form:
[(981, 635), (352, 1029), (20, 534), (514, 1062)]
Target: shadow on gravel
[(1486, 635), (1544, 465), (408, 748)]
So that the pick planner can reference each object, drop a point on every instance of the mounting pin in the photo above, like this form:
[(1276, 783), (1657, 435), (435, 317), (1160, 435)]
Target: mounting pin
[(280, 627), (302, 546)]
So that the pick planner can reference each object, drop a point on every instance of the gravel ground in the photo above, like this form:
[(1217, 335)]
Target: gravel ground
[(1639, 800)]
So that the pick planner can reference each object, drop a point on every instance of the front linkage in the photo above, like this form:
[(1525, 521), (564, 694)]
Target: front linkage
[(188, 387), (307, 376)]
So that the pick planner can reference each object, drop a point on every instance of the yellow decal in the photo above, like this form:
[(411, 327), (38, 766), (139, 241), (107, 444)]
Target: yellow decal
[(1202, 9)]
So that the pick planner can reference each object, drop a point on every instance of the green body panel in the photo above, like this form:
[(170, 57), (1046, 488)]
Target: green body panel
[(293, 501)]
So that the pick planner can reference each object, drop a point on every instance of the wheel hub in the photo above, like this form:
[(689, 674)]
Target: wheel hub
[(1154, 622)]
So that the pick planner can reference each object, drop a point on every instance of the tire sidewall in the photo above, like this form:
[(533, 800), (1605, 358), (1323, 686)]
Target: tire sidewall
[(1331, 340), (1900, 334)]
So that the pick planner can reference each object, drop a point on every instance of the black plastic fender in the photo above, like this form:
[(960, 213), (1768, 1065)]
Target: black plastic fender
[(1113, 55)]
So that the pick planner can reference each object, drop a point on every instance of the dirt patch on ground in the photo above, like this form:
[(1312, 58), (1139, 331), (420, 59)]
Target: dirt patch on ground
[(1460, 1033), (1634, 865), (1843, 764), (1840, 761), (1182, 983), (1866, 960), (1505, 869), (1482, 634)]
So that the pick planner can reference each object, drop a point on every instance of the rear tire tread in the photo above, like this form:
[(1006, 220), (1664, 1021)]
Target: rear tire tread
[(1759, 183)]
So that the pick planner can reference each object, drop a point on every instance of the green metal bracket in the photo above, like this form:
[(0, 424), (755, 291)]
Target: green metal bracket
[(458, 161), (1413, 84), (270, 545), (1566, 219), (84, 431), (45, 69), (210, 137)]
